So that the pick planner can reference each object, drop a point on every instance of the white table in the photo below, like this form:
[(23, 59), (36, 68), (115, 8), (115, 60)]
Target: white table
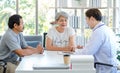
[(26, 65)]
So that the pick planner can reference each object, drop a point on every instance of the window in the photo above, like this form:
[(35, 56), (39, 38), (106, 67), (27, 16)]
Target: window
[(27, 11), (76, 9), (37, 14), (7, 8), (45, 15)]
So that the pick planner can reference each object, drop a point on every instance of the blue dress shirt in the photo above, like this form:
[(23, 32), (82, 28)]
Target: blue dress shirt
[(102, 45)]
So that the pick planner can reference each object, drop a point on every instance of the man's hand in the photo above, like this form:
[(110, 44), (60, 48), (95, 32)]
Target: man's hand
[(40, 49), (79, 47)]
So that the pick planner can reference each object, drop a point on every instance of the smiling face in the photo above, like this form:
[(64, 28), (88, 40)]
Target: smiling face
[(62, 21), (20, 27)]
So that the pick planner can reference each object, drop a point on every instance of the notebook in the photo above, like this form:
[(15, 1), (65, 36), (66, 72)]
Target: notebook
[(51, 66)]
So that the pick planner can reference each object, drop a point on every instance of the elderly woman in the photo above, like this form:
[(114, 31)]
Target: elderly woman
[(60, 37)]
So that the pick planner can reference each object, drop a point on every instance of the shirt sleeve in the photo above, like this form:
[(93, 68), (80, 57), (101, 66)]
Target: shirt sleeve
[(71, 31), (50, 33), (93, 44), (12, 43), (22, 41)]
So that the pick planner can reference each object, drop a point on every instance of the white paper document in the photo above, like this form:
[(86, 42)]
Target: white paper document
[(50, 66)]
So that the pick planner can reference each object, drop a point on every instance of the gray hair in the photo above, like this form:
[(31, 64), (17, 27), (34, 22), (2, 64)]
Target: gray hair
[(64, 14)]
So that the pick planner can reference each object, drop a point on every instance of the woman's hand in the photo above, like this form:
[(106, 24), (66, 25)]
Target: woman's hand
[(69, 48)]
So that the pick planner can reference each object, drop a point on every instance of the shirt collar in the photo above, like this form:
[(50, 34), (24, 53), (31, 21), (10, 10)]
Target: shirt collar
[(12, 32), (98, 25)]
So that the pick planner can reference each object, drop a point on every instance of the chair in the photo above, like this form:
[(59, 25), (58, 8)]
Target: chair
[(33, 40), (44, 39)]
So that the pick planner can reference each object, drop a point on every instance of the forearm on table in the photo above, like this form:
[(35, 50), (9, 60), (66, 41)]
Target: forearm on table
[(55, 48), (29, 47), (30, 51), (25, 52)]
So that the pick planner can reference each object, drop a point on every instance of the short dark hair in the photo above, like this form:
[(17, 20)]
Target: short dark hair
[(95, 13), (14, 19)]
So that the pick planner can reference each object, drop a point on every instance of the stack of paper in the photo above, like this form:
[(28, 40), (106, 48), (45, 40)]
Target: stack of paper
[(82, 62)]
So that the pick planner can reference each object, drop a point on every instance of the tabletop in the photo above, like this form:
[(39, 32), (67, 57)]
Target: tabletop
[(48, 57)]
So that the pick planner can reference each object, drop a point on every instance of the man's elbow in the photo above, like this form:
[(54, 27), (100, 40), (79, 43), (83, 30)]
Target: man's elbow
[(20, 53)]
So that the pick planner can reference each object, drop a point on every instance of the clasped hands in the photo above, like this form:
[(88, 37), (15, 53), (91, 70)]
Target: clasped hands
[(72, 48)]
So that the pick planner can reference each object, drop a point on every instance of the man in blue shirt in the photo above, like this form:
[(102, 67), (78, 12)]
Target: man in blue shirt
[(13, 44), (102, 43)]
